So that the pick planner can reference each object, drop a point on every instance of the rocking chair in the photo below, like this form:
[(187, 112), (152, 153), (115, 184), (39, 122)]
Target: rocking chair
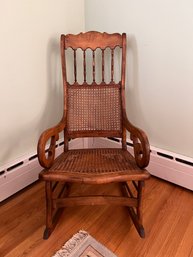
[(94, 110)]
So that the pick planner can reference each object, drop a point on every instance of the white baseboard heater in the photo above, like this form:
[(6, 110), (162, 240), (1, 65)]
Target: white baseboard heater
[(24, 171), (169, 166)]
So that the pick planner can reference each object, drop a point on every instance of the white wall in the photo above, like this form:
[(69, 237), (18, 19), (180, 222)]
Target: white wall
[(159, 77), (30, 70), (160, 65)]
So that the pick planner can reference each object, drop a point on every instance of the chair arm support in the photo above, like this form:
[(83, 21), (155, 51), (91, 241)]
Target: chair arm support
[(53, 135), (140, 143)]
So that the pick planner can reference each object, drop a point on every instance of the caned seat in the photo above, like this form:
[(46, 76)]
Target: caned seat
[(95, 166), (95, 109)]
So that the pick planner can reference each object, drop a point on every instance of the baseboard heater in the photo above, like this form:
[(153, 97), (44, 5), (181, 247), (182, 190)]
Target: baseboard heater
[(169, 166), (24, 171)]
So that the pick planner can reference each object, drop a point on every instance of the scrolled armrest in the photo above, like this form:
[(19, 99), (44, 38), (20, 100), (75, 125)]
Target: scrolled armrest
[(140, 143), (53, 135)]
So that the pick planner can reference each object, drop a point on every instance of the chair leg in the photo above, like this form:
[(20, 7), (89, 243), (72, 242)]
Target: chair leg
[(139, 216), (53, 214), (141, 185), (49, 210), (136, 215)]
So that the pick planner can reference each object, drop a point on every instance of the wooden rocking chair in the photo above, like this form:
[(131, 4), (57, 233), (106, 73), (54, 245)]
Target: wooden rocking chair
[(94, 110)]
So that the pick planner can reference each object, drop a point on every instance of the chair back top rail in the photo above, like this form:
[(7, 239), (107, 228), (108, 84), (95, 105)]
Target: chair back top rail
[(93, 40)]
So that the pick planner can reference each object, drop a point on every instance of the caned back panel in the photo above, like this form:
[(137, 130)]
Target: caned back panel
[(95, 108), (92, 109)]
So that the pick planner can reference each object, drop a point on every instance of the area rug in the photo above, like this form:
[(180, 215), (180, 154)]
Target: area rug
[(83, 245)]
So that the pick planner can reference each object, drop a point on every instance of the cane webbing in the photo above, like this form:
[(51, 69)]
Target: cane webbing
[(94, 108), (96, 161)]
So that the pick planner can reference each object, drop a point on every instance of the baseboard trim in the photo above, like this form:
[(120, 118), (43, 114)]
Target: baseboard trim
[(166, 165), (24, 171)]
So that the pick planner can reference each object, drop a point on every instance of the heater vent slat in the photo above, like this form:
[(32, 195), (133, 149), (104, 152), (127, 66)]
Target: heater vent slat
[(33, 157), (184, 161), (165, 155), (129, 144), (15, 166), (114, 139), (2, 172)]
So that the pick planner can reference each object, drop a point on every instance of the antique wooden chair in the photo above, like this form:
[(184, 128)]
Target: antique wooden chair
[(94, 110)]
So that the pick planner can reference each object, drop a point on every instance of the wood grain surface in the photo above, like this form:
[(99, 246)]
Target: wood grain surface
[(168, 219)]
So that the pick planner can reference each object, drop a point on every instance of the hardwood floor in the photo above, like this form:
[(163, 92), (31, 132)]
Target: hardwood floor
[(168, 221)]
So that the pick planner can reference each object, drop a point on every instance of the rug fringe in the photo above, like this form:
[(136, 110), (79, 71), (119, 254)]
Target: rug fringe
[(69, 246)]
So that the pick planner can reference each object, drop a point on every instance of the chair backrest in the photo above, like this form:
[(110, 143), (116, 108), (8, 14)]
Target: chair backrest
[(94, 109)]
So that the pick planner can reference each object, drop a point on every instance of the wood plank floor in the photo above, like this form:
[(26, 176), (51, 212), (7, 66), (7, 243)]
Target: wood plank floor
[(168, 221)]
